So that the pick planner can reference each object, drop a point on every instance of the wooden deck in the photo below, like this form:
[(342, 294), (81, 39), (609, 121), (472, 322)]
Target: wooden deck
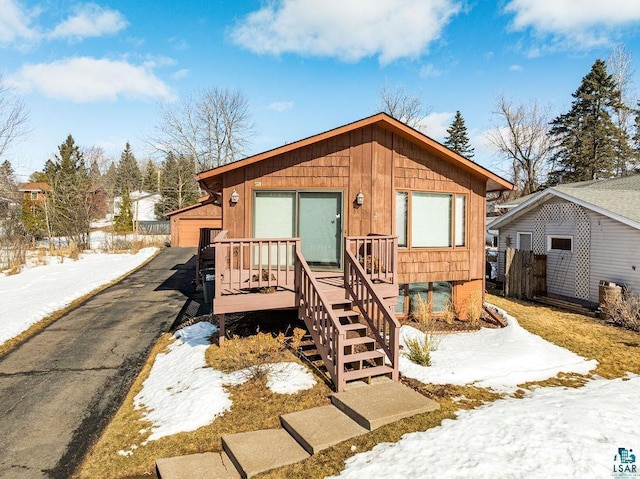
[(348, 313)]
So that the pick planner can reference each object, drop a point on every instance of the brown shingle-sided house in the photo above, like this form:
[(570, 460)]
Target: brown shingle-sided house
[(365, 217)]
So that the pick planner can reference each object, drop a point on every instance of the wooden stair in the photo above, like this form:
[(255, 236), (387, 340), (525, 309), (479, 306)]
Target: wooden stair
[(362, 361)]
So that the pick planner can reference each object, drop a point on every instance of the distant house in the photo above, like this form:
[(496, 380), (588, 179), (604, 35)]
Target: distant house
[(33, 194), (143, 205), (372, 211), (589, 231)]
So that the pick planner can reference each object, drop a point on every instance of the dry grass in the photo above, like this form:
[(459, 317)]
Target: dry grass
[(254, 407), (616, 349)]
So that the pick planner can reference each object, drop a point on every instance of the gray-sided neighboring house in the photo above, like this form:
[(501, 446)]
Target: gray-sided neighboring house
[(590, 232)]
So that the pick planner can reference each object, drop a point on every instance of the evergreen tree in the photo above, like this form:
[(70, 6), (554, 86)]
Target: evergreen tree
[(68, 201), (124, 221), (177, 184), (127, 172), (588, 144), (457, 139), (150, 177)]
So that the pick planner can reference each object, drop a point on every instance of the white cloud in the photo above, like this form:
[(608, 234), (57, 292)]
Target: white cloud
[(435, 125), (280, 106), (584, 23), (86, 79), (15, 23), (347, 29), (515, 68), (90, 20), (430, 70), (182, 73)]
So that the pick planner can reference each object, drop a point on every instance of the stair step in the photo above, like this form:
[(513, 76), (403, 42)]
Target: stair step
[(346, 317), (259, 451), (358, 341), (364, 356), (381, 402), (353, 327), (344, 304), (207, 465), (367, 372)]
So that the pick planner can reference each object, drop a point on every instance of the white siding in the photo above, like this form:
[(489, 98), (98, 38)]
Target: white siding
[(615, 254)]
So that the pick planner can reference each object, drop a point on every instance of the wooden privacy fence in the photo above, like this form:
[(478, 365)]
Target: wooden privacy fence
[(525, 274)]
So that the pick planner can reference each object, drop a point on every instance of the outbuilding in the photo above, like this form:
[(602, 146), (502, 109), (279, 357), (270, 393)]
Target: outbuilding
[(186, 222)]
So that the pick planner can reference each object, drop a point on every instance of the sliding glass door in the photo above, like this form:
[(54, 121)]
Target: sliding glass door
[(313, 216)]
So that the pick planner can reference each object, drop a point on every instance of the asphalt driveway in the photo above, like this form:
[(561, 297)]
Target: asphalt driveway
[(60, 388)]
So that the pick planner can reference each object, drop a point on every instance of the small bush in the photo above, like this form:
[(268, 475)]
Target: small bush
[(449, 314), (423, 312), (623, 310), (419, 350), (253, 354)]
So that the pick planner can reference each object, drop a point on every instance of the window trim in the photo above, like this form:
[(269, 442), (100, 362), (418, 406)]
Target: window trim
[(523, 233), (453, 195), (551, 237)]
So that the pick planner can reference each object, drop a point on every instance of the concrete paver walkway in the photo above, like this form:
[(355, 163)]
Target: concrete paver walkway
[(60, 388)]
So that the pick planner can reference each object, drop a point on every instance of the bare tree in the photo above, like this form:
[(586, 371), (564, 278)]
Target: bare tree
[(14, 118), (403, 106), (521, 137), (213, 127), (619, 65)]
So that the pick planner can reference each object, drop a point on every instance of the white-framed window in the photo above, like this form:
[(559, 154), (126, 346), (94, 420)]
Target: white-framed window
[(524, 241), (431, 220), (559, 243)]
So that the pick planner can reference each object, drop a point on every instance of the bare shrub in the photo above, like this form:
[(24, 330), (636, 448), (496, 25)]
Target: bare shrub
[(623, 310), (423, 312), (449, 313), (252, 355)]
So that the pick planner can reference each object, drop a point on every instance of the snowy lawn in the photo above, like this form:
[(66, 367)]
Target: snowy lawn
[(37, 292), (495, 358), (553, 432), (181, 377)]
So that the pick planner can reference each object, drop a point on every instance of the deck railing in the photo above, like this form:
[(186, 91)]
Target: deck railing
[(205, 242), (321, 321), (383, 324), (243, 264), (377, 254)]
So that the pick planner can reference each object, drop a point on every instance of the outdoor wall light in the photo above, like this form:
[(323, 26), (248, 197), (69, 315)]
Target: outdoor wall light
[(235, 197), (359, 198)]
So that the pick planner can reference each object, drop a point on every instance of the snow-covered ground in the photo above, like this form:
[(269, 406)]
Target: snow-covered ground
[(496, 358), (551, 432), (36, 292), (181, 376)]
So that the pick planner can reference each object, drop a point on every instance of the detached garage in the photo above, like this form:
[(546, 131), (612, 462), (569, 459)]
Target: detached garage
[(186, 222)]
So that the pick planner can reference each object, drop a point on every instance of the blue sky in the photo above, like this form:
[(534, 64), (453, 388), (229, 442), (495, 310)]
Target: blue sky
[(99, 70)]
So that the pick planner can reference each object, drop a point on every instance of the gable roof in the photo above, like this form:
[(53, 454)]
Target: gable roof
[(203, 201), (494, 182), (617, 198), (38, 186)]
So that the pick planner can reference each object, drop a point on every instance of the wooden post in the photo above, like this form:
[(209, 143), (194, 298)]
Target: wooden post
[(221, 334)]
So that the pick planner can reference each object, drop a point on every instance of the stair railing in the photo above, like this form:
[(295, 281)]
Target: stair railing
[(383, 324), (321, 321)]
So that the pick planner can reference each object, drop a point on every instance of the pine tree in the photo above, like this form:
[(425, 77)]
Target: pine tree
[(150, 177), (588, 143), (124, 220), (68, 201), (177, 184), (457, 139), (127, 172)]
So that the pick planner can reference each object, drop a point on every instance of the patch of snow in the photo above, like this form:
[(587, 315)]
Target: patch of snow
[(35, 293), (289, 378), (495, 358), (552, 432), (183, 394)]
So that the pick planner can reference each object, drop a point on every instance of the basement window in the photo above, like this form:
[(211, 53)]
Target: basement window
[(559, 243)]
